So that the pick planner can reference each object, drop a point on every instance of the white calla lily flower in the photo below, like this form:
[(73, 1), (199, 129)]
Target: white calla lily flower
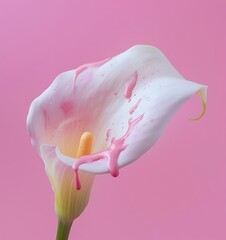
[(101, 117)]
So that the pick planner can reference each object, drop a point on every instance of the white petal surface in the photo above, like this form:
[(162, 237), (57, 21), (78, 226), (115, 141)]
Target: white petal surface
[(93, 99), (84, 99), (157, 109)]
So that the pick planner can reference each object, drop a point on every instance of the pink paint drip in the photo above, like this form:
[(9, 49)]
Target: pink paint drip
[(99, 63), (131, 111), (78, 184), (108, 134), (111, 154), (130, 86), (85, 66)]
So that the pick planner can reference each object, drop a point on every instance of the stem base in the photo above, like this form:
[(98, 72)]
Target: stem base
[(63, 230)]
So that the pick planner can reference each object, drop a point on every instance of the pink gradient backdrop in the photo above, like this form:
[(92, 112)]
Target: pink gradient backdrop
[(177, 191)]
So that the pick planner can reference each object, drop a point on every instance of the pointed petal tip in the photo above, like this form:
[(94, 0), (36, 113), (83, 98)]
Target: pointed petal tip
[(142, 47), (202, 93)]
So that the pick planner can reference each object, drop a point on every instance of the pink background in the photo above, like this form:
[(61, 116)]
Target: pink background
[(177, 191)]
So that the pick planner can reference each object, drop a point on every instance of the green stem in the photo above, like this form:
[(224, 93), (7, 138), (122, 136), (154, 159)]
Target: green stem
[(63, 230)]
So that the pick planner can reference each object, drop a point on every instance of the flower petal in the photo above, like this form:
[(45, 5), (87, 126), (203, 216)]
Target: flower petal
[(69, 202), (157, 113), (101, 99), (85, 99), (162, 100)]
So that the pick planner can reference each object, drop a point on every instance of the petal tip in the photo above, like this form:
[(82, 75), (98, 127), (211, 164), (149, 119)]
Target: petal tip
[(143, 47)]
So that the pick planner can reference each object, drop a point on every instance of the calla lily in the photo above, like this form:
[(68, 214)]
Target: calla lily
[(100, 117)]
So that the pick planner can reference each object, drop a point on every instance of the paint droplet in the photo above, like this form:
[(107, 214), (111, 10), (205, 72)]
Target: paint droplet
[(131, 111), (130, 86)]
